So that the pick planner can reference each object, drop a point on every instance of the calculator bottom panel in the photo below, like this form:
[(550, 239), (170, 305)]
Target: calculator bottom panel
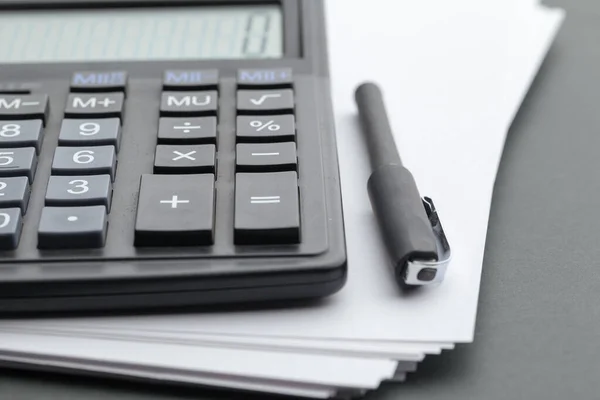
[(183, 292)]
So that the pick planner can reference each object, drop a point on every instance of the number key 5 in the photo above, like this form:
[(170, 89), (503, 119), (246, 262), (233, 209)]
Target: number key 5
[(85, 161)]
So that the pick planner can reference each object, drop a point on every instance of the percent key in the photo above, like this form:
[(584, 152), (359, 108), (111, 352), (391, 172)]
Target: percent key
[(275, 128)]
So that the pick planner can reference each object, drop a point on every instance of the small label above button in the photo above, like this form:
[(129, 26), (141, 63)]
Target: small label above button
[(82, 105), (99, 81), (265, 102), (190, 104), (33, 106), (191, 79), (265, 78)]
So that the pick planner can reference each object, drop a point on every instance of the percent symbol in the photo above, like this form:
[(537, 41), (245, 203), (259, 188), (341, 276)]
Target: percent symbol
[(270, 125)]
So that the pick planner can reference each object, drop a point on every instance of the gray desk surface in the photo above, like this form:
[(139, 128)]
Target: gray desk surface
[(539, 319)]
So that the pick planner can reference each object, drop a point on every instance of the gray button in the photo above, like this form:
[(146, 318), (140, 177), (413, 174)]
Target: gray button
[(93, 190), (265, 78), (90, 132), (261, 102), (18, 162), (98, 160), (201, 130), (15, 192), (72, 227), (11, 224), (81, 105), (267, 208), (189, 104), (21, 134), (184, 159), (274, 128), (26, 106), (176, 210), (266, 157)]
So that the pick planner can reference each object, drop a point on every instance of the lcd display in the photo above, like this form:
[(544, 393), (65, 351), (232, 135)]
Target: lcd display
[(136, 34)]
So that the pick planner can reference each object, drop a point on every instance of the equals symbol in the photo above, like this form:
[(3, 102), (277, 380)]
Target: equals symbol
[(265, 199), (186, 127)]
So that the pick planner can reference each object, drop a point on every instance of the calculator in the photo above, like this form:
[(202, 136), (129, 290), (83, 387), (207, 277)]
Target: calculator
[(166, 154)]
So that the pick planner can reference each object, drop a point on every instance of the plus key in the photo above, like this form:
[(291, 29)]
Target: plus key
[(175, 210)]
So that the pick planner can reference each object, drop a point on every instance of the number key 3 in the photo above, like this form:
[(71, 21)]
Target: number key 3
[(98, 160), (93, 190)]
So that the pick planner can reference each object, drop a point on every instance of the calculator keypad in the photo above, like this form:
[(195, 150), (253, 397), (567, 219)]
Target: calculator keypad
[(178, 192)]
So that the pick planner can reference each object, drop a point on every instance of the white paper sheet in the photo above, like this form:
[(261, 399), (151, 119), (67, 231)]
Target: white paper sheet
[(347, 372), (453, 86)]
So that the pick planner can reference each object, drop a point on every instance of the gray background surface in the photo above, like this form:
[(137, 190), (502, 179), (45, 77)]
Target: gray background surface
[(538, 324)]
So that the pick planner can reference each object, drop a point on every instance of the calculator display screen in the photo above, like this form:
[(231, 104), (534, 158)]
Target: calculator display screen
[(136, 34)]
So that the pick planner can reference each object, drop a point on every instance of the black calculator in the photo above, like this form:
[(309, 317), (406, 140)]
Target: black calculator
[(166, 154)]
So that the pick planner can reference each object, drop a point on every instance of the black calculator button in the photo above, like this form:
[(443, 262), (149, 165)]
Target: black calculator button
[(267, 208), (93, 190), (99, 81), (191, 79), (266, 157), (98, 160), (260, 102), (72, 227), (90, 132), (189, 104), (14, 193), (176, 210), (198, 130), (11, 224), (21, 134), (184, 159), (81, 105), (27, 106), (18, 162), (265, 78), (274, 128)]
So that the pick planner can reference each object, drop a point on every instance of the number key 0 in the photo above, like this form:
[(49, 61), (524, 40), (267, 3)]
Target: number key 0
[(98, 160)]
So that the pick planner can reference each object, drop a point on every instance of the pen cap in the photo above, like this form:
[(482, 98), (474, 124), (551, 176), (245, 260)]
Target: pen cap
[(402, 218)]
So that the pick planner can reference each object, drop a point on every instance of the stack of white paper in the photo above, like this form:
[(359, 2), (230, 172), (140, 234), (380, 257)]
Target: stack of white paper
[(454, 75)]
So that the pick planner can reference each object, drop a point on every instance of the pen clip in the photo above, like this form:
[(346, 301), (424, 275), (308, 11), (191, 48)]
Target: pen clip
[(429, 272)]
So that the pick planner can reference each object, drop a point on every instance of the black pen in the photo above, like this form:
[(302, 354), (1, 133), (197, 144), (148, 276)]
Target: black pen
[(416, 243)]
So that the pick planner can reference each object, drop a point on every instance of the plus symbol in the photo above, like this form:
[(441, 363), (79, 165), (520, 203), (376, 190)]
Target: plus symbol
[(174, 202), (106, 102)]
